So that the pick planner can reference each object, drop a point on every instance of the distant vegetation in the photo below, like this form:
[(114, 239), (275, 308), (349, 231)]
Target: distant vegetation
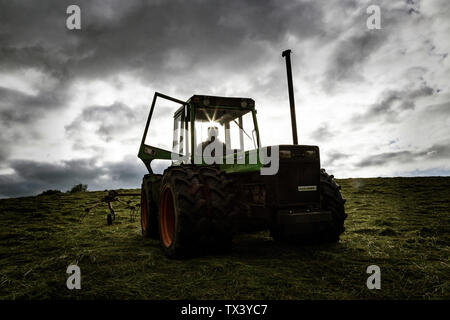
[(79, 188), (75, 189), (49, 192)]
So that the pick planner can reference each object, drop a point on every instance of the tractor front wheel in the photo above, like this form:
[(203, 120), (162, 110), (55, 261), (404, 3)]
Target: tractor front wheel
[(194, 211)]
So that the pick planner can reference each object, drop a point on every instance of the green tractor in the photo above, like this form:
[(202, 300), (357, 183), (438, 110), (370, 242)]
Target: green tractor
[(210, 193)]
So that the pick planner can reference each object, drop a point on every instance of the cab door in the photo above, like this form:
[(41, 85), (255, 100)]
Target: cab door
[(150, 147)]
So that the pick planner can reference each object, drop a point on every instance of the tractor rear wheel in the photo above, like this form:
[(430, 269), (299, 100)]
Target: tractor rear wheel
[(149, 210), (194, 212), (332, 200)]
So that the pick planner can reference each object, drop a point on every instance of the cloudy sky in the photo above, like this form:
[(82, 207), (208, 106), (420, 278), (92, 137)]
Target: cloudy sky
[(73, 103)]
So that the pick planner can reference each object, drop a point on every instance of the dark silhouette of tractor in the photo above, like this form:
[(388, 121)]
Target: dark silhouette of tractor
[(209, 193)]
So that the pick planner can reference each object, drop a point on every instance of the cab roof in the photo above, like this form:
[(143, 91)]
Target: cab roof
[(218, 109), (214, 101)]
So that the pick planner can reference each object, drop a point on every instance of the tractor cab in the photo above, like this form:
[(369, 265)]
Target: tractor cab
[(231, 120)]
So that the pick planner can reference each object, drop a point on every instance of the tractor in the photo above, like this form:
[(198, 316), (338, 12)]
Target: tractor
[(197, 205)]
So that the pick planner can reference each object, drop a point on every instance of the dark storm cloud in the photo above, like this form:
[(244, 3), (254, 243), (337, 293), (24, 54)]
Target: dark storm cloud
[(54, 174), (436, 152), (200, 32), (33, 35), (110, 120), (32, 177), (27, 55), (19, 107), (140, 35), (392, 103)]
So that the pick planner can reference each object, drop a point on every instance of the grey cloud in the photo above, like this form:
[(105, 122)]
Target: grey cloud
[(332, 157), (439, 151), (322, 133), (413, 6), (436, 152), (349, 55), (4, 151), (353, 51), (383, 158), (18, 111), (392, 103), (438, 110)]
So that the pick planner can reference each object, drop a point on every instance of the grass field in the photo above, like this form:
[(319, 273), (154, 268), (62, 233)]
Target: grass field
[(400, 224)]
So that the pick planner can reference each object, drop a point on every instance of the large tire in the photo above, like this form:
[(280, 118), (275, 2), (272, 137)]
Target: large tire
[(332, 200), (149, 209), (195, 208)]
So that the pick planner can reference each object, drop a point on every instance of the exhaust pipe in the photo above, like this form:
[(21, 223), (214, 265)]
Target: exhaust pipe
[(287, 55)]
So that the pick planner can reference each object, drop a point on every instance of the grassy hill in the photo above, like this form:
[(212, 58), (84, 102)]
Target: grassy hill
[(400, 224)]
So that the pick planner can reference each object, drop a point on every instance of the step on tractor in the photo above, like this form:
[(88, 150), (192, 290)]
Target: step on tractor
[(197, 205)]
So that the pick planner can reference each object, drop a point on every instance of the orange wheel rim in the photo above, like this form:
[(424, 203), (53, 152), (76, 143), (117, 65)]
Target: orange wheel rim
[(144, 213), (167, 217)]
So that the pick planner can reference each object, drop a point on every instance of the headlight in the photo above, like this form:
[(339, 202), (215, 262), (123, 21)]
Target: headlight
[(285, 154), (310, 153)]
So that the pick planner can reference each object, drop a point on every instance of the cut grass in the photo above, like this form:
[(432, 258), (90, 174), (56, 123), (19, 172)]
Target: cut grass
[(399, 224)]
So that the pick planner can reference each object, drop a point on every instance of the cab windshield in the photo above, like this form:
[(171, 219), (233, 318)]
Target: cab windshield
[(234, 128)]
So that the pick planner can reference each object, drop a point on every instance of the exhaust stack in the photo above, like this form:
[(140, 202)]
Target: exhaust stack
[(287, 55)]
